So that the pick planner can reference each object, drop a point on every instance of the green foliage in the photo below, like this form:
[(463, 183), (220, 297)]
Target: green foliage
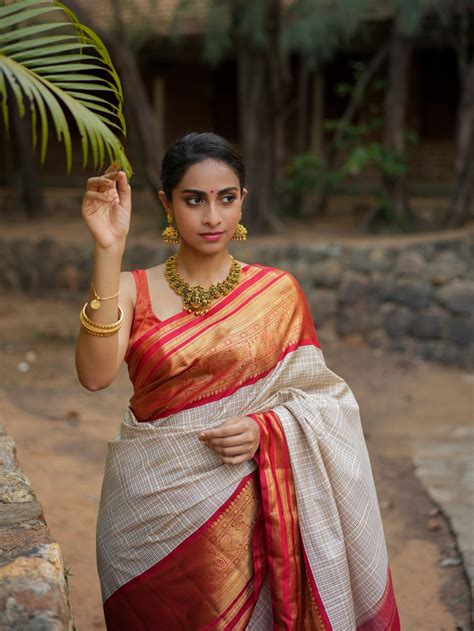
[(57, 68), (317, 28), (355, 144)]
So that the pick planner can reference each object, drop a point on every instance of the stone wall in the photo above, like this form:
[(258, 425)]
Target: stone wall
[(415, 296), (33, 585)]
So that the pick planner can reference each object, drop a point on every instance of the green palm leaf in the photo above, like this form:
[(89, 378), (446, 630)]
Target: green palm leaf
[(54, 65)]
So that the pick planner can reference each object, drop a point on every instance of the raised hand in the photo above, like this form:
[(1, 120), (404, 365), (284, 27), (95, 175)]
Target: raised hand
[(107, 206), (235, 441)]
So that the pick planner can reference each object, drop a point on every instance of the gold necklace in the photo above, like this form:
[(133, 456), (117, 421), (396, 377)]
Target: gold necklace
[(196, 299)]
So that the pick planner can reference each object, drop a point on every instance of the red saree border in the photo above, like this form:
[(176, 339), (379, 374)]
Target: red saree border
[(162, 563), (211, 581), (282, 530), (294, 606), (387, 617)]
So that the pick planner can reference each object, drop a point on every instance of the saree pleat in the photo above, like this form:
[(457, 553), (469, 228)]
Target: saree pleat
[(292, 540)]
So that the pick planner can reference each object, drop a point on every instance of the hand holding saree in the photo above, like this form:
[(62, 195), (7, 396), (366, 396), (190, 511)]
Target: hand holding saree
[(292, 539)]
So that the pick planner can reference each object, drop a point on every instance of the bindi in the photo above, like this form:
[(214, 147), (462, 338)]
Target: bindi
[(212, 190)]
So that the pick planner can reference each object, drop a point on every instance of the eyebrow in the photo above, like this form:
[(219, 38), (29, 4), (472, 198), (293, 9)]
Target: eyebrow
[(198, 192)]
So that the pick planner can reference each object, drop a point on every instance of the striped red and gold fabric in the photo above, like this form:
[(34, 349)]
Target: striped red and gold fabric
[(292, 540)]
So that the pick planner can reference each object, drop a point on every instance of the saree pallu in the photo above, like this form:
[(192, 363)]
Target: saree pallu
[(292, 540)]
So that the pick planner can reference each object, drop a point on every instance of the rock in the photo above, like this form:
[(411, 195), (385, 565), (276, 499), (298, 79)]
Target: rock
[(323, 304), (327, 273), (461, 330), (458, 296), (449, 562), (378, 339), (359, 260), (355, 288), (33, 592), (15, 487), (430, 322), (351, 319), (381, 259), (433, 524), (446, 266), (398, 321), (414, 293), (410, 263)]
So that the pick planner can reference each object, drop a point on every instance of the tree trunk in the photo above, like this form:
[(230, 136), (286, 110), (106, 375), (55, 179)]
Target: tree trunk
[(26, 181), (141, 118), (302, 139), (261, 124), (464, 164), (395, 119), (347, 118)]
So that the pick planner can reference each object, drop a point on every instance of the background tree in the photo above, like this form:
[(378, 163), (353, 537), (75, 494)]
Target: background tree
[(463, 43), (123, 45)]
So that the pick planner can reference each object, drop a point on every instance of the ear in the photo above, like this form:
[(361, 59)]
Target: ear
[(244, 194), (165, 203)]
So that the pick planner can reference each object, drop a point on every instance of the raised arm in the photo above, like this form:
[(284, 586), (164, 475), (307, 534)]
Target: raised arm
[(106, 209)]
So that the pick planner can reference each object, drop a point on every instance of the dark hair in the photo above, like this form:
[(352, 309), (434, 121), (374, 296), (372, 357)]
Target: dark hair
[(197, 147)]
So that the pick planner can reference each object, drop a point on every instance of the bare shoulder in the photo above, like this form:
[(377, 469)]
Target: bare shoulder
[(156, 274), (128, 292)]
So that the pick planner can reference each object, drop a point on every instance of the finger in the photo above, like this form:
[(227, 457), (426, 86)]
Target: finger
[(103, 197), (124, 190), (114, 166), (95, 183), (235, 459), (229, 441), (238, 450), (233, 428)]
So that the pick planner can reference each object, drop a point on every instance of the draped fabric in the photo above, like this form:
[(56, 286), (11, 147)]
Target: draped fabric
[(292, 540)]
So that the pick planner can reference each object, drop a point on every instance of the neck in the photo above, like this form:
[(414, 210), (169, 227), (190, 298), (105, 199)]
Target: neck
[(199, 269)]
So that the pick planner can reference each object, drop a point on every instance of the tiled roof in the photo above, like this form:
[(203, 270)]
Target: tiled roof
[(158, 16)]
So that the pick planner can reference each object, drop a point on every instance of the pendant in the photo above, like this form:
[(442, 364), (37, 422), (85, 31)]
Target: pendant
[(94, 304)]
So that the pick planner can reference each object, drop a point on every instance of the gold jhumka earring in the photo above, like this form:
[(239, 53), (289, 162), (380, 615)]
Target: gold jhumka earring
[(170, 234), (240, 233)]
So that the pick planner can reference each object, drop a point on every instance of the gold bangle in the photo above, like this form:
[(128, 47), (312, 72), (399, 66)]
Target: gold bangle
[(98, 333), (95, 302), (95, 331), (98, 325)]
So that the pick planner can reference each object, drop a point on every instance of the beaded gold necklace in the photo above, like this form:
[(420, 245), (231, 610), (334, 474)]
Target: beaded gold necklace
[(196, 299)]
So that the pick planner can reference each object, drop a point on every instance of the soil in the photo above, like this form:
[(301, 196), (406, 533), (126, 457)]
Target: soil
[(61, 432)]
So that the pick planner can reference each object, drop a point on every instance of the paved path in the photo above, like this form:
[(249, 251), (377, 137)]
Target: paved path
[(445, 466)]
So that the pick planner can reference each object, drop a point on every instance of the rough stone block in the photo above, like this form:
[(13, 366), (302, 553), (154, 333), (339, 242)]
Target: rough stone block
[(354, 288), (458, 296), (410, 263), (446, 266)]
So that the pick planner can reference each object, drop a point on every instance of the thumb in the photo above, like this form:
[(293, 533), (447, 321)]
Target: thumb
[(124, 189)]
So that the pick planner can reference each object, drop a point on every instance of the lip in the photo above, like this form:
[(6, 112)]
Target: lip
[(211, 236)]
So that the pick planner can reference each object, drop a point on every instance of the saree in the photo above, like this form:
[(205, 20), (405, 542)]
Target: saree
[(290, 540)]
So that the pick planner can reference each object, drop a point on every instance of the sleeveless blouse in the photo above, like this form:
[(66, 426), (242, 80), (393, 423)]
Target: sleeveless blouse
[(148, 353)]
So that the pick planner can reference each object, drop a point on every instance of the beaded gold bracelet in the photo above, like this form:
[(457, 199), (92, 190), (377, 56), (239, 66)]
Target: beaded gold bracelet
[(95, 328)]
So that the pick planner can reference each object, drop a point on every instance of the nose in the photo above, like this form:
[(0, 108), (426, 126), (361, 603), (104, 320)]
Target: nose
[(212, 216)]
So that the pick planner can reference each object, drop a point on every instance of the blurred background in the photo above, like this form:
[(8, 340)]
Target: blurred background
[(355, 119)]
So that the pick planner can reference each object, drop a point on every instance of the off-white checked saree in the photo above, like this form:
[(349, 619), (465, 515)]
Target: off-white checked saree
[(291, 540)]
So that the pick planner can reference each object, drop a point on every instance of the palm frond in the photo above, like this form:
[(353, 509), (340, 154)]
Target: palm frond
[(55, 72)]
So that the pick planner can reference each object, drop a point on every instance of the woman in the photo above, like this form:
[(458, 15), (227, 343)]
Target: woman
[(238, 492)]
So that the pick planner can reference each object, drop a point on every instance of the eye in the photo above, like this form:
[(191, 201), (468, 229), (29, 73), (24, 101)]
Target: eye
[(228, 199), (194, 201)]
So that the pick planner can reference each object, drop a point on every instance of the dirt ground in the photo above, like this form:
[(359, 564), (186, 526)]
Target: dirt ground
[(61, 431)]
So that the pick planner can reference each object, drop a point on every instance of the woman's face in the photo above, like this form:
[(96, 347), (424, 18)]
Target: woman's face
[(206, 205)]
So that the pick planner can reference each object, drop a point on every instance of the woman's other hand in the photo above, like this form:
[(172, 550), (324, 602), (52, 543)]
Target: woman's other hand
[(235, 441), (106, 208)]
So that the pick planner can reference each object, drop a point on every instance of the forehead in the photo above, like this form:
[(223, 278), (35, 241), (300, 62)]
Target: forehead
[(209, 174)]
